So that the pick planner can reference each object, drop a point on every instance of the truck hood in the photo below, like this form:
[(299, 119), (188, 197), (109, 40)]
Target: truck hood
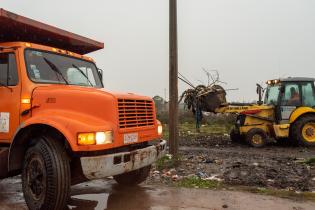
[(83, 91), (97, 103)]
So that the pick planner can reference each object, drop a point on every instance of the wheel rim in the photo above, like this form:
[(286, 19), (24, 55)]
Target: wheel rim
[(36, 177), (257, 139), (308, 132)]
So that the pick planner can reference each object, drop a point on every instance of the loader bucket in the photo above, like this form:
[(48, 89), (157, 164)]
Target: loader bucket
[(213, 98)]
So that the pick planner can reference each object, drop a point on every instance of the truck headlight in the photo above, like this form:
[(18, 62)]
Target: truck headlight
[(104, 137), (160, 130), (96, 138)]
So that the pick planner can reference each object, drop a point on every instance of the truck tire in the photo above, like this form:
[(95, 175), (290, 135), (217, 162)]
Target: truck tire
[(303, 131), (133, 177), (256, 137), (46, 175)]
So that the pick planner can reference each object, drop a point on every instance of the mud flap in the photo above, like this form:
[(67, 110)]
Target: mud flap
[(4, 153)]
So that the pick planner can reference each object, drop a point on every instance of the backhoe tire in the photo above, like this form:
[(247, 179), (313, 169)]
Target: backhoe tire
[(256, 137), (303, 131), (133, 177), (46, 175)]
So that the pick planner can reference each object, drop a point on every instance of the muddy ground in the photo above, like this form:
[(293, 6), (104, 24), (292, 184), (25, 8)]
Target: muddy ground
[(107, 195), (210, 157), (215, 157)]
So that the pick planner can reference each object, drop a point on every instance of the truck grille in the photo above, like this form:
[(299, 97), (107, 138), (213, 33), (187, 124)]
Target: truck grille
[(135, 113)]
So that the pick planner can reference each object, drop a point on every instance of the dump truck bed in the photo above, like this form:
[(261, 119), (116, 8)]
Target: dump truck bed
[(14, 28)]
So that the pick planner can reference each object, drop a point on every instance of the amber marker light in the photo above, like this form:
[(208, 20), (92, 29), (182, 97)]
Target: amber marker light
[(26, 101), (86, 139)]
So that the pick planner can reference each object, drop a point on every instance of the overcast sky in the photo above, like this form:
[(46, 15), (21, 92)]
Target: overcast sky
[(247, 41)]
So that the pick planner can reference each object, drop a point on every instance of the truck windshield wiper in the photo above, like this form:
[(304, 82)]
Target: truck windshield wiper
[(55, 69), (87, 78)]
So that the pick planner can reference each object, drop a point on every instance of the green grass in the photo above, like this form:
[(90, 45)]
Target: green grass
[(189, 129), (196, 182), (285, 194), (302, 196), (310, 161), (167, 162)]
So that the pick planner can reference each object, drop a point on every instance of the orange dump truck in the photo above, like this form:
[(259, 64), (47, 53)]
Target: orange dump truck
[(58, 125)]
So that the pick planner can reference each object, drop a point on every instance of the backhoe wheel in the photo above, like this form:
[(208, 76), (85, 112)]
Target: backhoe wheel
[(133, 177), (235, 136), (303, 131), (46, 175), (256, 137)]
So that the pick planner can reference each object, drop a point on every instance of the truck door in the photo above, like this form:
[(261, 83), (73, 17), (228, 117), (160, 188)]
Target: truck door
[(9, 96), (308, 94), (290, 100)]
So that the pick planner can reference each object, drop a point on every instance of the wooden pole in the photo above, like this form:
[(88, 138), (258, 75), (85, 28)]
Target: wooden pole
[(173, 80)]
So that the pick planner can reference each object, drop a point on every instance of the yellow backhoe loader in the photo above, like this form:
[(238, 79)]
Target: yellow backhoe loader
[(287, 113)]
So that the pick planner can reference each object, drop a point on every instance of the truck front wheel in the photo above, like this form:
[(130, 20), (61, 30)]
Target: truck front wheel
[(133, 177), (46, 175)]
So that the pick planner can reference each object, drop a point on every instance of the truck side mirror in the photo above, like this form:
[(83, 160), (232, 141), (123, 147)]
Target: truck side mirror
[(100, 74)]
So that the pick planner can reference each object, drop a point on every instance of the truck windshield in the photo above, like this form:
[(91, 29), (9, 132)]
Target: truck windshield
[(272, 95), (51, 68)]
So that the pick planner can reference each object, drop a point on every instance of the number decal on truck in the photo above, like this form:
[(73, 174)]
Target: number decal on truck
[(130, 138), (4, 122)]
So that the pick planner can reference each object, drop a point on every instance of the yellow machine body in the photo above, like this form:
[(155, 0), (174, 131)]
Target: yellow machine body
[(278, 118)]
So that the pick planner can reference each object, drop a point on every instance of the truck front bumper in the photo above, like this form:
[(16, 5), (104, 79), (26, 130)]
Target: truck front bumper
[(110, 165)]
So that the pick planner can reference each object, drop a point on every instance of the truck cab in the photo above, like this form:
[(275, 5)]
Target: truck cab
[(58, 125)]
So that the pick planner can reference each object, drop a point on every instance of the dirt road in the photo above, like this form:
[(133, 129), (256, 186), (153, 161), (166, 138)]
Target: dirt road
[(101, 195)]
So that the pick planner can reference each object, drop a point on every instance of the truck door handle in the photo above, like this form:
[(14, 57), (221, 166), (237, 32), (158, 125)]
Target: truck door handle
[(27, 111)]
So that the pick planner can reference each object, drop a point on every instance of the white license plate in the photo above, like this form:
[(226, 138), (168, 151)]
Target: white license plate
[(130, 138)]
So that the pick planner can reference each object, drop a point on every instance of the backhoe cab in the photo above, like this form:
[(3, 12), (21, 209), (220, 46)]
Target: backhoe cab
[(287, 113)]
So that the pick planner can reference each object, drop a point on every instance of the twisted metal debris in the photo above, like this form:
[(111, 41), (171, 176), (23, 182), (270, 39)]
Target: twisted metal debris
[(203, 98)]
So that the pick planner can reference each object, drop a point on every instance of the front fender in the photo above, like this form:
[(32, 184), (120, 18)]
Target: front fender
[(70, 124), (300, 111)]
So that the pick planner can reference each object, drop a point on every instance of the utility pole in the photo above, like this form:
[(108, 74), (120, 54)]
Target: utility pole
[(173, 80)]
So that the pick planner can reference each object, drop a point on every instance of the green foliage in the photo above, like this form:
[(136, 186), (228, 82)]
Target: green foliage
[(310, 161), (162, 116), (196, 182), (189, 129), (284, 193), (167, 162)]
